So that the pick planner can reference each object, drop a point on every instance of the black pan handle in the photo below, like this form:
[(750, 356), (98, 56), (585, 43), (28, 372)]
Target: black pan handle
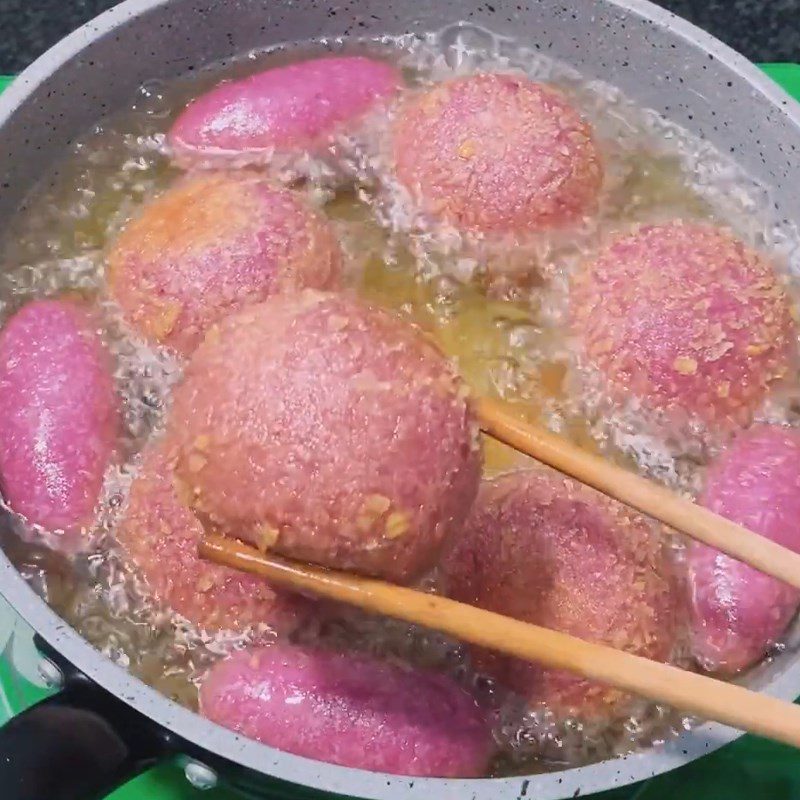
[(79, 744)]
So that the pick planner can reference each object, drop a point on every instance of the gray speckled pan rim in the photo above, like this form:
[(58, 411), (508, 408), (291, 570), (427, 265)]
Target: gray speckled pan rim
[(324, 777)]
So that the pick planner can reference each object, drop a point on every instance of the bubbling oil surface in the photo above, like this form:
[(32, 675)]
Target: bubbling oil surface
[(508, 342)]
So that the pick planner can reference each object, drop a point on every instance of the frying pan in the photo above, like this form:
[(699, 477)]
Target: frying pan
[(104, 725)]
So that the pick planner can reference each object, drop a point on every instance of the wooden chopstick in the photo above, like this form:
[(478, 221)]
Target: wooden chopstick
[(639, 493), (695, 694)]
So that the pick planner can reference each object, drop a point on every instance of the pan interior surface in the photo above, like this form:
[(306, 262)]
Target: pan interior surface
[(152, 45)]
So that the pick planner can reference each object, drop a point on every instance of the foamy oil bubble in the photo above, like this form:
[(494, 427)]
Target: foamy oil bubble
[(115, 611), (152, 99), (530, 733), (144, 375)]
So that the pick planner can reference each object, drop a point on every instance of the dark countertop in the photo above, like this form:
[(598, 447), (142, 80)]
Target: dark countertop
[(764, 30)]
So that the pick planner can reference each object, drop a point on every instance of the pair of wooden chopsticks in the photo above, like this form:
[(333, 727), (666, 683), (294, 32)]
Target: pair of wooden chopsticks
[(696, 694)]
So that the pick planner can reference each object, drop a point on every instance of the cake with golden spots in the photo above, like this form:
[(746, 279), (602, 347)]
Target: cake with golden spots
[(495, 154), (160, 533), (685, 320), (330, 431), (212, 244), (544, 549)]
